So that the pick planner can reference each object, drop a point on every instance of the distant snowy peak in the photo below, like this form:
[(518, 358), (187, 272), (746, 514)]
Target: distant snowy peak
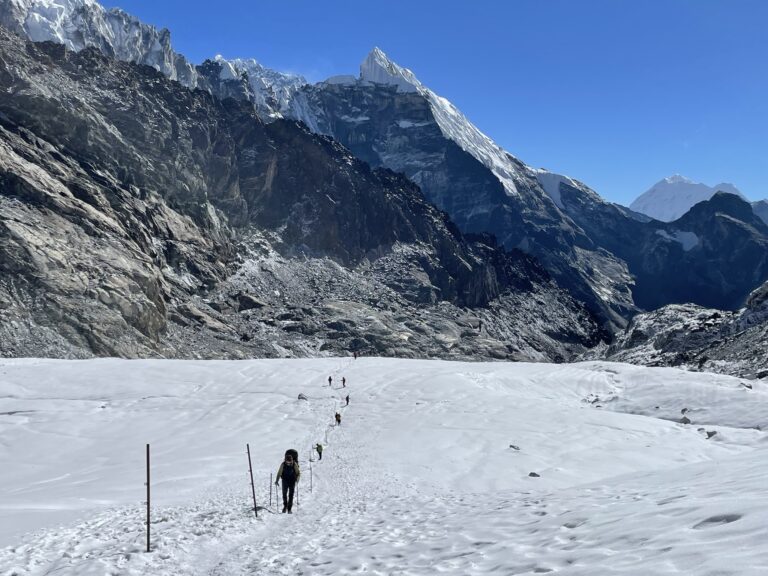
[(670, 198), (379, 69)]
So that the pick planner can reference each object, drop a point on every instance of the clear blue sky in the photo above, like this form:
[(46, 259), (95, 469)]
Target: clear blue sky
[(616, 93)]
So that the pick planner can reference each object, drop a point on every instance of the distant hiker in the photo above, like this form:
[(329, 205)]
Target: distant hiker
[(330, 380), (354, 354), (343, 382), (338, 419), (347, 399), (480, 327), (319, 449), (289, 473)]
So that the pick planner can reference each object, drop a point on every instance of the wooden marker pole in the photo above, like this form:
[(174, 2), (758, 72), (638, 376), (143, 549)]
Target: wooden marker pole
[(253, 488), (148, 500)]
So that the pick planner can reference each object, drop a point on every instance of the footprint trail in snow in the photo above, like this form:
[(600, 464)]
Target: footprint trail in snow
[(418, 479)]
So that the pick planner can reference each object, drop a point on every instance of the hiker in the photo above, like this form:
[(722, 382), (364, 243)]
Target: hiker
[(347, 399), (355, 355), (319, 449), (330, 380), (338, 419), (343, 382), (289, 473)]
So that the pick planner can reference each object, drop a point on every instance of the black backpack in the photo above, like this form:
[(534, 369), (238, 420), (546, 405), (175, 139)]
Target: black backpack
[(289, 473)]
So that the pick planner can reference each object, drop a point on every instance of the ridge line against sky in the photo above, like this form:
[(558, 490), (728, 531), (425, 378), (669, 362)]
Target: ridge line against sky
[(616, 94)]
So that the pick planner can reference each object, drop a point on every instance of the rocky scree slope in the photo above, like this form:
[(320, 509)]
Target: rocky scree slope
[(140, 218), (698, 338)]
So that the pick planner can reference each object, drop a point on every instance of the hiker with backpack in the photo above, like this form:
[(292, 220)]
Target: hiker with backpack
[(319, 449), (289, 473), (338, 419), (347, 399), (330, 381)]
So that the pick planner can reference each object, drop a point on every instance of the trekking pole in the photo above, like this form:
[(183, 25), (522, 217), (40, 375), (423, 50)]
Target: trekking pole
[(270, 489), (147, 497), (253, 488)]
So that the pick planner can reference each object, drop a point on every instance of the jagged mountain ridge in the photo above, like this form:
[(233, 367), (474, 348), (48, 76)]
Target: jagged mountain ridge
[(82, 23), (713, 256), (388, 118), (597, 277), (598, 250), (139, 218)]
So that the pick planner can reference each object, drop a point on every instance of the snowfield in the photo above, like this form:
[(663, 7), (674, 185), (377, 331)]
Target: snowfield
[(427, 474)]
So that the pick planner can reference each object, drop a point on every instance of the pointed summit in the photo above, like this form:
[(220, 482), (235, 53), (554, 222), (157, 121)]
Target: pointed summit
[(379, 69), (677, 179)]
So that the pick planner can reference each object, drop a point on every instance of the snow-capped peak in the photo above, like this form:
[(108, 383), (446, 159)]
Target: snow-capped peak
[(678, 179), (272, 90), (379, 69), (670, 198), (82, 23)]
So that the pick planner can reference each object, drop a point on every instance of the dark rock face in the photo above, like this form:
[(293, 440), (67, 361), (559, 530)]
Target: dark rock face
[(698, 338), (713, 256), (399, 131), (760, 208), (140, 218)]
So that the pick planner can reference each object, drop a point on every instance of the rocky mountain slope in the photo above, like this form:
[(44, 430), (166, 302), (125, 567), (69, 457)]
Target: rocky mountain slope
[(388, 118), (713, 256), (140, 218), (608, 256), (612, 258), (760, 208), (491, 191), (698, 338)]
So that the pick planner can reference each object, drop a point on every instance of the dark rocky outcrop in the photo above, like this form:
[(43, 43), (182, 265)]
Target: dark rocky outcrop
[(698, 338), (713, 256), (760, 208)]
